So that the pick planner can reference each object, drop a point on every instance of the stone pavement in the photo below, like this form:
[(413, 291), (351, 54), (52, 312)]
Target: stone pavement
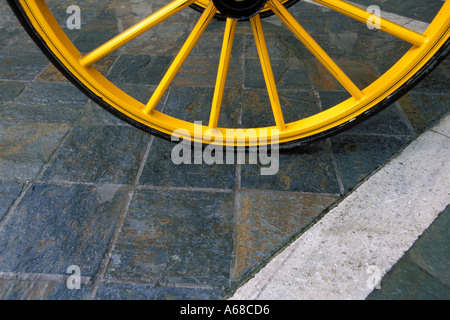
[(80, 187)]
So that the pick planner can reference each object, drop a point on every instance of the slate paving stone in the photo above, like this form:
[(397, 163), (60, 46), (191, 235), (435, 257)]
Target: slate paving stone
[(56, 226), (7, 17), (409, 282), (139, 69), (357, 156), (26, 147), (422, 273), (164, 40), (437, 81), (321, 79), (194, 104), (46, 102), (431, 252), (93, 114), (389, 121), (52, 74), (9, 90), (176, 237), (423, 110), (160, 170), (201, 71), (282, 44), (90, 40), (9, 35), (262, 229), (103, 154), (357, 46), (175, 293), (331, 22), (288, 74), (17, 66), (133, 291), (116, 291), (210, 46), (307, 169), (257, 110), (421, 10), (9, 191), (40, 290)]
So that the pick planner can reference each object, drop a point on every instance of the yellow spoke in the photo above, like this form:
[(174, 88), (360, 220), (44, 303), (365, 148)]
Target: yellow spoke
[(224, 63), (363, 16), (267, 71), (135, 31), (315, 48), (191, 41)]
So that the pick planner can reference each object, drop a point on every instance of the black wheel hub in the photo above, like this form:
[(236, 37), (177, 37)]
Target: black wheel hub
[(239, 9)]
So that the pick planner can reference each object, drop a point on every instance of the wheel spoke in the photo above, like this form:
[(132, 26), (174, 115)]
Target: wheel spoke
[(135, 31), (224, 63), (363, 16), (267, 71), (191, 41), (315, 48)]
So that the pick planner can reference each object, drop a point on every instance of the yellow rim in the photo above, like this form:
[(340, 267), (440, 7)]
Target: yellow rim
[(423, 48)]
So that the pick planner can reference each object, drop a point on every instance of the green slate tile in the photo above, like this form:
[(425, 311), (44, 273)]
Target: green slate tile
[(306, 169), (431, 252), (268, 221), (46, 102), (424, 110), (125, 291), (288, 74), (56, 226), (160, 170), (90, 40), (201, 70), (22, 66), (135, 291), (406, 281), (9, 90), (26, 147), (295, 105), (437, 81), (40, 289), (9, 191), (139, 69), (419, 10), (357, 156), (389, 121), (103, 154), (176, 237), (194, 104)]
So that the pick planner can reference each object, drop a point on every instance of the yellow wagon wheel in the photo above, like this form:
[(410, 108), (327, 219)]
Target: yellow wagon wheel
[(426, 51)]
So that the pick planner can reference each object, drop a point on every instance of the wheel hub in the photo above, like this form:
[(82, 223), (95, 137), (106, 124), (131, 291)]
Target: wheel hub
[(239, 9)]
